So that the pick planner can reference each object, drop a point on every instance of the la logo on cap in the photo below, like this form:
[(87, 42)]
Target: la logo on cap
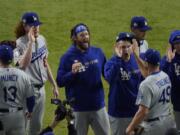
[(178, 36), (135, 24), (145, 23), (34, 18), (24, 20)]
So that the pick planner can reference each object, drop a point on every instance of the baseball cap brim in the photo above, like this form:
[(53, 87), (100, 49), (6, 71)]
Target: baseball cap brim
[(145, 28), (175, 42), (35, 24)]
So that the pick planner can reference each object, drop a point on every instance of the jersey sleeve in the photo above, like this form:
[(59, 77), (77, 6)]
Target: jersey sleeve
[(28, 87), (144, 96), (165, 65), (29, 93), (47, 52), (18, 52), (64, 74), (103, 62), (110, 70)]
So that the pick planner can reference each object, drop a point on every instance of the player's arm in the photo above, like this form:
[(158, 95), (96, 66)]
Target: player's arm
[(66, 73), (52, 81), (110, 70), (141, 64), (144, 101), (29, 96), (166, 60), (24, 62), (138, 118)]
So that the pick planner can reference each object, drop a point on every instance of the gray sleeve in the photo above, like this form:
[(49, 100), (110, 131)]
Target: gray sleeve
[(47, 52), (29, 90), (18, 52), (144, 96)]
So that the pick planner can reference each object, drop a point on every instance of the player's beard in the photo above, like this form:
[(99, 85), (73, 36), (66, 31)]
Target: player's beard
[(83, 45)]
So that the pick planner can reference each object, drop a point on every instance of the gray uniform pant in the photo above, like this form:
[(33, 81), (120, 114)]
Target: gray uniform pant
[(97, 119), (159, 127), (119, 125), (13, 123), (177, 119), (35, 123)]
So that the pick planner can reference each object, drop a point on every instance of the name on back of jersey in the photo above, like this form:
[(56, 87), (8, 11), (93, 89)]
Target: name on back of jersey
[(8, 78), (163, 82)]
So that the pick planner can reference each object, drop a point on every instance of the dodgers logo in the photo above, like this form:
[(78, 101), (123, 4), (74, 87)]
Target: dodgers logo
[(124, 75), (177, 69)]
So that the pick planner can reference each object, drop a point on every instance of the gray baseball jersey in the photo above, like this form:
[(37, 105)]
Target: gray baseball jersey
[(37, 68), (143, 46), (154, 93), (15, 88)]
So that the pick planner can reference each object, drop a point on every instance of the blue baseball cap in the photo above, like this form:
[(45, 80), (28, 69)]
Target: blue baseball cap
[(49, 133), (140, 22), (31, 19), (6, 53), (124, 36), (152, 56), (174, 37)]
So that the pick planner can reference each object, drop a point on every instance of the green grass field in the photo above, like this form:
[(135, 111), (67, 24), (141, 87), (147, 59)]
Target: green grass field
[(105, 18)]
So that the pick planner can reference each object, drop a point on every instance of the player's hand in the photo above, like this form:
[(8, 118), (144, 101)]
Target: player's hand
[(129, 131), (135, 47), (31, 35), (170, 53), (118, 50), (28, 115), (76, 66), (55, 91)]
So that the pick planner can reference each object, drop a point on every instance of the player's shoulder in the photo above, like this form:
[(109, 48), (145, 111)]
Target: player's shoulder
[(22, 41), (68, 54), (41, 37), (21, 73), (93, 47), (147, 82), (96, 50)]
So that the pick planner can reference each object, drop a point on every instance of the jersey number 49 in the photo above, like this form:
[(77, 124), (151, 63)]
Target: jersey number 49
[(165, 95)]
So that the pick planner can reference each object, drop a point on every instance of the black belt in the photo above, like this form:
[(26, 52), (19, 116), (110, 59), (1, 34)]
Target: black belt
[(38, 86), (153, 119), (3, 110)]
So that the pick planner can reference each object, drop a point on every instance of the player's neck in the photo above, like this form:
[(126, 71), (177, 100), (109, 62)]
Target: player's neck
[(153, 69), (4, 66)]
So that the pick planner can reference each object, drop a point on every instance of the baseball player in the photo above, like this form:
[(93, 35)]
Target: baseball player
[(80, 73), (139, 27), (15, 91), (123, 76), (154, 113), (171, 65), (31, 56)]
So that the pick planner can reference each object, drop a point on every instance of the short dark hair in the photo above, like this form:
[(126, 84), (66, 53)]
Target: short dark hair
[(10, 43)]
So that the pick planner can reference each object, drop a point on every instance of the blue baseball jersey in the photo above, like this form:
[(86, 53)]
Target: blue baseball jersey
[(173, 70), (86, 85), (124, 79)]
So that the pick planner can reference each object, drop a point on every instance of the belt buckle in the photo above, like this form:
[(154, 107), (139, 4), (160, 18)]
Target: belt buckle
[(13, 109)]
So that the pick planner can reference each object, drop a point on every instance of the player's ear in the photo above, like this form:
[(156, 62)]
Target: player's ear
[(73, 38)]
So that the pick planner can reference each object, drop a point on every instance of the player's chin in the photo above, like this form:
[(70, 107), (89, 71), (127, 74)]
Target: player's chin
[(85, 45), (36, 34), (126, 55)]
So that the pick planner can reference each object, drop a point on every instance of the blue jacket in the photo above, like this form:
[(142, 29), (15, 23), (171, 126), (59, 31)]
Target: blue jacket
[(86, 86), (173, 70), (124, 78)]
